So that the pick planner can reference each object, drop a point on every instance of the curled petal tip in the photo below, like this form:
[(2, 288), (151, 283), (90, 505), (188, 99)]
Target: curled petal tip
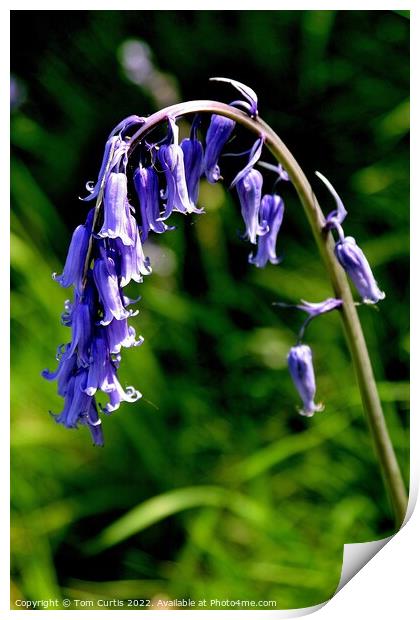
[(380, 295), (337, 216), (308, 412), (251, 103)]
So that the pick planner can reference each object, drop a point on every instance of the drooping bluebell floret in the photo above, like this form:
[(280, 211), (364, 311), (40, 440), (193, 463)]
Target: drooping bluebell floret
[(130, 261), (119, 395), (314, 309), (116, 209), (251, 103), (271, 217), (126, 124), (106, 281), (147, 187), (76, 401), (302, 373), (73, 271), (81, 317), (67, 367), (171, 158), (218, 133), (193, 163), (112, 145), (176, 195), (79, 408), (116, 149), (348, 253), (355, 263), (249, 192), (121, 334), (102, 370)]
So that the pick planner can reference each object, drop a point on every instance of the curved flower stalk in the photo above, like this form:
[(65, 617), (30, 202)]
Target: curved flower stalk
[(166, 179)]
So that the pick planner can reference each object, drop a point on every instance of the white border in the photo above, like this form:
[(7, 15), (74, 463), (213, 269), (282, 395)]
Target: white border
[(387, 587)]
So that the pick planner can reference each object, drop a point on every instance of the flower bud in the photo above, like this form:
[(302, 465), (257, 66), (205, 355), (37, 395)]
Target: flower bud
[(302, 372), (354, 262)]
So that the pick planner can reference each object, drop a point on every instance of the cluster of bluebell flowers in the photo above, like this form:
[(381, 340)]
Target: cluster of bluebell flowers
[(106, 253)]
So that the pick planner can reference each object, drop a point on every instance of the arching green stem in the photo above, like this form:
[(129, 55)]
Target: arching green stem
[(352, 327)]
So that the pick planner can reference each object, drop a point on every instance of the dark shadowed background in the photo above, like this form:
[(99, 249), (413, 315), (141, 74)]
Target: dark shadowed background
[(235, 495)]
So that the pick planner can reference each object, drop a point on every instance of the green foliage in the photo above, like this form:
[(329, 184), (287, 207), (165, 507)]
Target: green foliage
[(212, 485)]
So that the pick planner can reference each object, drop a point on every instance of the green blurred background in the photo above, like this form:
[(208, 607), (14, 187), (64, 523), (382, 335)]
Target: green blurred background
[(234, 495)]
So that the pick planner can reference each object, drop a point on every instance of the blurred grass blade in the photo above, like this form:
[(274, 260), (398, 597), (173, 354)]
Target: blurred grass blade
[(156, 509), (153, 510)]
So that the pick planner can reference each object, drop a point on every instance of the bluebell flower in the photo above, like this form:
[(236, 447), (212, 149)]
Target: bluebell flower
[(355, 263), (348, 253), (79, 408), (132, 263), (106, 281), (314, 309), (116, 209), (302, 373), (67, 367), (171, 158), (112, 144), (116, 149), (194, 164), (147, 187), (121, 334), (249, 192), (81, 318), (102, 371), (119, 395), (76, 401), (73, 271), (271, 217), (218, 133), (127, 123), (321, 307)]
